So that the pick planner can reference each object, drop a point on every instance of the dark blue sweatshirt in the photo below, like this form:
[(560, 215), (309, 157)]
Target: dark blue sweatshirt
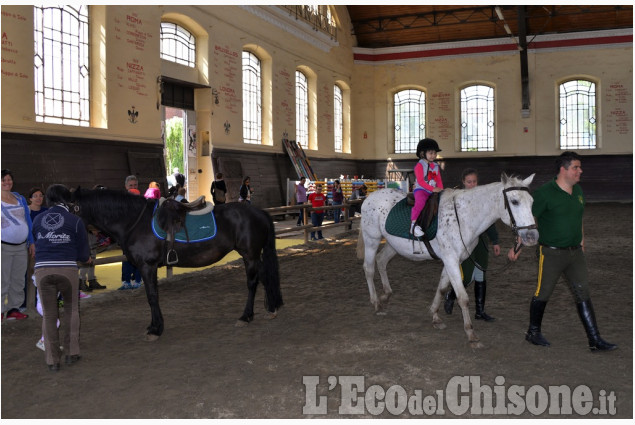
[(60, 238)]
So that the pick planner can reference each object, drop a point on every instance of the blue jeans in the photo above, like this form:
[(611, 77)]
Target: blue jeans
[(129, 271), (337, 213), (301, 216), (316, 221)]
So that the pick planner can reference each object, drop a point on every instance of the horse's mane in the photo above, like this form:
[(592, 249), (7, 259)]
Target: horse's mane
[(110, 204)]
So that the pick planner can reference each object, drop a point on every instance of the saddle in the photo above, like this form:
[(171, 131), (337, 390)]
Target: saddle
[(398, 220), (175, 221)]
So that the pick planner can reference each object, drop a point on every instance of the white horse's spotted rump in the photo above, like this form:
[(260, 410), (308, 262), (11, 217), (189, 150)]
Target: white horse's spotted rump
[(463, 216)]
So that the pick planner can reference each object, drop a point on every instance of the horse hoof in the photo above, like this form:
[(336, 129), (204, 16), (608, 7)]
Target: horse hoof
[(476, 345), (151, 337), (439, 325), (270, 315), (241, 323), (385, 298)]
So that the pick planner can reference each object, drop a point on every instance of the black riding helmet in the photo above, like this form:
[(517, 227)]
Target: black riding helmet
[(427, 144)]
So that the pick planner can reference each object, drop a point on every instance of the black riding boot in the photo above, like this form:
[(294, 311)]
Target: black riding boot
[(93, 284), (83, 286), (450, 296), (536, 311), (479, 301), (585, 310)]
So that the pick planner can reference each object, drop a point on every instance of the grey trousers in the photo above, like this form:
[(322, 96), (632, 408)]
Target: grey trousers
[(15, 259)]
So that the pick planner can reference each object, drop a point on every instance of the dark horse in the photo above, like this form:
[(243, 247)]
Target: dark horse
[(128, 219)]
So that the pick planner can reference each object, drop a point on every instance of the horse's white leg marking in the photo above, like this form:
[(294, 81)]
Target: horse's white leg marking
[(383, 258)]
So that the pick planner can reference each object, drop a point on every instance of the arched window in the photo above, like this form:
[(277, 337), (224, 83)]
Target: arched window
[(252, 99), (410, 119), (578, 121), (61, 59), (338, 117), (178, 44), (301, 109), (477, 118)]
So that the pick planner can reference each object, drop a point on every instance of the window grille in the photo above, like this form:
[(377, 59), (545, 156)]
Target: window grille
[(338, 116), (61, 65), (410, 120), (252, 99), (178, 44), (578, 121), (477, 119), (301, 109)]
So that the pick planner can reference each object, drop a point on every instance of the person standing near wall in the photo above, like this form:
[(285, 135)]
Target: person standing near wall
[(17, 245), (245, 191), (338, 198), (128, 270), (317, 199), (219, 190), (300, 198)]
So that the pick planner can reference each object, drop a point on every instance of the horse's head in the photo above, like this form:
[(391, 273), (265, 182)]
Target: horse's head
[(517, 203)]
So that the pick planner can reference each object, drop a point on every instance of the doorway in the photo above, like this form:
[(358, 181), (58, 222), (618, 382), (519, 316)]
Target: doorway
[(174, 139)]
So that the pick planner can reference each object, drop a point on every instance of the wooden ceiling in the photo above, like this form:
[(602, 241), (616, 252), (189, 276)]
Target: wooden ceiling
[(391, 26)]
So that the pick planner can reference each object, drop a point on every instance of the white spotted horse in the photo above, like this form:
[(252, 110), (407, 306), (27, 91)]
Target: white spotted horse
[(462, 216), (128, 219)]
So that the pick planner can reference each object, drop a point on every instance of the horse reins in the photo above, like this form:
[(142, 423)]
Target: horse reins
[(514, 226), (76, 209)]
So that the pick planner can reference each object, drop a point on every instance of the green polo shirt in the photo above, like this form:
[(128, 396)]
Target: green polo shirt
[(559, 215)]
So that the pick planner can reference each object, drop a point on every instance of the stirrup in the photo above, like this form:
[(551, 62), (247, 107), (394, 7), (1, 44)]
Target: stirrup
[(172, 257)]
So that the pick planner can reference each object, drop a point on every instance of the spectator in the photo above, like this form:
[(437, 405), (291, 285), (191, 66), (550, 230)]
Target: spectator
[(128, 270), (358, 194), (87, 279), (36, 201), (300, 198), (17, 245), (317, 199), (56, 271), (245, 191), (219, 190), (181, 195), (338, 198), (153, 191)]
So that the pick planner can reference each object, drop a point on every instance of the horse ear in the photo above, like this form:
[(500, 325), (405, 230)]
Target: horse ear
[(504, 178), (528, 180)]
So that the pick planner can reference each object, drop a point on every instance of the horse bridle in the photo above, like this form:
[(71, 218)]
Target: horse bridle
[(514, 226), (76, 210)]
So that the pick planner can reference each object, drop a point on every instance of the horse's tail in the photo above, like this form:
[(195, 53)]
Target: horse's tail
[(271, 278), (360, 242)]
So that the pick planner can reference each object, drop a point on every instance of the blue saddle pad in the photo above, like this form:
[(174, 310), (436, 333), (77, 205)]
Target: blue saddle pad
[(398, 222), (199, 228)]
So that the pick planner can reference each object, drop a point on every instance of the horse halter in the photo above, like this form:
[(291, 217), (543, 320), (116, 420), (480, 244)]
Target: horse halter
[(515, 228)]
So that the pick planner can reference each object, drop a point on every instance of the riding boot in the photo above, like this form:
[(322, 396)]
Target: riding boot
[(585, 311), (479, 301), (93, 284), (83, 286), (450, 296), (536, 311)]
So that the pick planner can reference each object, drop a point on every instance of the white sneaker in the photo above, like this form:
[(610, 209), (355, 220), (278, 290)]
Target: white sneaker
[(40, 344), (416, 230)]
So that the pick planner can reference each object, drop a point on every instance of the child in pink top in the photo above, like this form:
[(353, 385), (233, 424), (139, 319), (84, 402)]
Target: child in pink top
[(428, 180)]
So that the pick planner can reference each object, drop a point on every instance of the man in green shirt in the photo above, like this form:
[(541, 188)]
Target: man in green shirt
[(558, 207)]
